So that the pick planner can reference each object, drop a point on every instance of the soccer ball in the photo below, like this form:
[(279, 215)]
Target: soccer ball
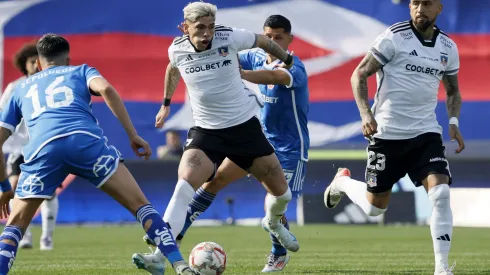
[(208, 258)]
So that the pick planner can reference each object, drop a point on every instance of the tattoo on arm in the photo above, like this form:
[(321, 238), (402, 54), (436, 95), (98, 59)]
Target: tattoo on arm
[(271, 47), (453, 96), (368, 66), (172, 77)]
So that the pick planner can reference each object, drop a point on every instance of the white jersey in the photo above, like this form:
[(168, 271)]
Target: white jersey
[(405, 103), (20, 137), (217, 94)]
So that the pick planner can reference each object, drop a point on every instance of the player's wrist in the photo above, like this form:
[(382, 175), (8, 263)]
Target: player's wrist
[(5, 186), (166, 102), (454, 121)]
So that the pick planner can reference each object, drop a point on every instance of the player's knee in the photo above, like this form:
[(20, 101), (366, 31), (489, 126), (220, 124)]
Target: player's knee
[(286, 197), (439, 193)]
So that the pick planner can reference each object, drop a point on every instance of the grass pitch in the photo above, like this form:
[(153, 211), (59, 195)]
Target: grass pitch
[(331, 249)]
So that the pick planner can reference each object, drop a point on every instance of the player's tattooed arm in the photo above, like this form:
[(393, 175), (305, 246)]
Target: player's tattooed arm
[(271, 47), (4, 135), (453, 96), (359, 82), (172, 78), (276, 77)]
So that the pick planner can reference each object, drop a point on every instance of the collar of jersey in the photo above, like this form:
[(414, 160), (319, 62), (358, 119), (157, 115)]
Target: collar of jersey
[(430, 43)]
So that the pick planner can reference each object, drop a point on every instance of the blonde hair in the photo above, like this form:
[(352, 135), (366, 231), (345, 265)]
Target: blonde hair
[(195, 10)]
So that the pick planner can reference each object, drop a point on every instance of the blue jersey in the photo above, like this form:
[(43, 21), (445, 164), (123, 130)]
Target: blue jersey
[(54, 103), (285, 114)]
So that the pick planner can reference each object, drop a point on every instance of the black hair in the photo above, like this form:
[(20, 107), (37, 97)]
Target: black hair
[(20, 58), (52, 45), (278, 22)]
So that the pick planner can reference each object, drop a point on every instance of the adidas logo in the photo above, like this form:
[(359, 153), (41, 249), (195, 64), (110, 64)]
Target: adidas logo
[(414, 53), (189, 58), (444, 238)]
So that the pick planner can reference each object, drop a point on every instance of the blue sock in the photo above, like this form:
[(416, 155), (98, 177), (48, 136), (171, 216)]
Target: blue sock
[(199, 204), (7, 251), (277, 248), (159, 233)]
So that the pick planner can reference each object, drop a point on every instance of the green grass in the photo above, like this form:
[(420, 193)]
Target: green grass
[(324, 250)]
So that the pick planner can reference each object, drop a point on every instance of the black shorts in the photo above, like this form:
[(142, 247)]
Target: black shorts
[(242, 143), (391, 160), (13, 164)]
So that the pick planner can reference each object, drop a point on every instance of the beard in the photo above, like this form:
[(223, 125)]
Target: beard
[(424, 25)]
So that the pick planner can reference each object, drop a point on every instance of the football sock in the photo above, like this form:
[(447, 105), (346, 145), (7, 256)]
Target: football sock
[(176, 210), (199, 204), (157, 230), (277, 248), (441, 224), (275, 207), (356, 191), (49, 213), (8, 251)]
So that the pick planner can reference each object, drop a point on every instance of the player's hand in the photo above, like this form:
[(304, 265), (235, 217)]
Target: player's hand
[(455, 134), (369, 125), (161, 116), (283, 65), (181, 28), (137, 143), (5, 198)]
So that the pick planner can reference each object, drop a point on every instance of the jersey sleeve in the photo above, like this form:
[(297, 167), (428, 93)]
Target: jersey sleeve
[(453, 62), (11, 114), (6, 95), (171, 57), (297, 73), (243, 39), (383, 48), (246, 60), (91, 74)]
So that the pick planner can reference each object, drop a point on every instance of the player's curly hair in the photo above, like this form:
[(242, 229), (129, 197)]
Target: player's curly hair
[(20, 58)]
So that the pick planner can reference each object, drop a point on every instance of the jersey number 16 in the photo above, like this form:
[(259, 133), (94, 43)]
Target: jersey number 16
[(50, 92)]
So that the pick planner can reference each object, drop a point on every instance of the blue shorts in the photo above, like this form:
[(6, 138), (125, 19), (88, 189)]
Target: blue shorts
[(82, 155), (295, 172)]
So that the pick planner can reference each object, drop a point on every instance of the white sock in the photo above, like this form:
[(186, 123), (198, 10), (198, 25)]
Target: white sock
[(49, 213), (177, 207), (275, 207), (356, 191), (441, 224)]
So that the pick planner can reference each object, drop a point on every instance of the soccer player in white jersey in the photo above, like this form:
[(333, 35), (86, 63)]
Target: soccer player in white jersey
[(25, 62), (410, 59), (226, 124)]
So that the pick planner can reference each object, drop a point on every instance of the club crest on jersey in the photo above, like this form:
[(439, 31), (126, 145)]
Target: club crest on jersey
[(271, 86), (371, 181), (223, 51), (444, 60)]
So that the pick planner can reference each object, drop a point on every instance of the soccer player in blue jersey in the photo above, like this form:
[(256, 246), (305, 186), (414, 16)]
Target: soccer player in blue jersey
[(284, 120), (65, 138)]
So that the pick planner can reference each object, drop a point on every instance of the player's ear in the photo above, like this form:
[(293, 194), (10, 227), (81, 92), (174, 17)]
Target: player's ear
[(38, 64), (186, 27)]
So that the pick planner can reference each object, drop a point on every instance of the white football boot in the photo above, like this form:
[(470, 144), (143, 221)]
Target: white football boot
[(285, 237), (26, 241), (276, 263), (46, 243), (332, 195), (152, 262), (446, 271)]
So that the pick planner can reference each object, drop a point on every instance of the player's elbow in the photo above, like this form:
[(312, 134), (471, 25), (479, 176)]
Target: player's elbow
[(358, 75), (282, 78)]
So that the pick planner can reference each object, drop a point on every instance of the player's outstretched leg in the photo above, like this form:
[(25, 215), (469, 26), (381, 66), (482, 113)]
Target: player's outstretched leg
[(343, 185), (123, 188), (269, 172), (441, 221), (18, 221), (49, 213)]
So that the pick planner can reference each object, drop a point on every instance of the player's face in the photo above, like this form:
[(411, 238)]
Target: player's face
[(200, 32), (424, 13), (279, 36), (31, 65)]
